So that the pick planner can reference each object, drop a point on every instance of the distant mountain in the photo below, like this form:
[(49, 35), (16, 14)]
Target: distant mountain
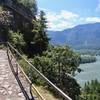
[(81, 36)]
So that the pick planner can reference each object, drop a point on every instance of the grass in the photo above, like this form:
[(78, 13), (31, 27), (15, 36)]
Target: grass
[(46, 93)]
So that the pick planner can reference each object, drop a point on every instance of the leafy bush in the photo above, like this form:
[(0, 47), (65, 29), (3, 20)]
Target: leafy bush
[(16, 39), (57, 64)]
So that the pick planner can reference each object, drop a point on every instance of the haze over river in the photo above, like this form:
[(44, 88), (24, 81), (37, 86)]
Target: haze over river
[(90, 72)]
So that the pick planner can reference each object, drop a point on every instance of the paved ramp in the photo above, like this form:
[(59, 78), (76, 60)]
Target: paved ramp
[(9, 88)]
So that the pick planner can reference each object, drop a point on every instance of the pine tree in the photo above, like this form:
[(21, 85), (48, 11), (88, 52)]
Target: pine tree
[(41, 40)]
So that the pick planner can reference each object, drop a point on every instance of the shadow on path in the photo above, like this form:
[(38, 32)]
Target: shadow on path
[(18, 81)]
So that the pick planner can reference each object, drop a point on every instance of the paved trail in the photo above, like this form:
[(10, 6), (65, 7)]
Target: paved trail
[(9, 88)]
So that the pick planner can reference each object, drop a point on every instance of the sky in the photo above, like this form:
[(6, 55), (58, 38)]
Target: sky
[(63, 14)]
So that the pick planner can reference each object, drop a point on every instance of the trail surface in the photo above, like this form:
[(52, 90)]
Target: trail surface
[(9, 88)]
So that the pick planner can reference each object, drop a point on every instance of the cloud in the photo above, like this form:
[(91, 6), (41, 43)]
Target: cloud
[(61, 25), (92, 19), (65, 19), (68, 15), (60, 20)]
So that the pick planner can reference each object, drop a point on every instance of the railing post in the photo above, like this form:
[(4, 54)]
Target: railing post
[(7, 47), (32, 98), (29, 73), (16, 66), (16, 72)]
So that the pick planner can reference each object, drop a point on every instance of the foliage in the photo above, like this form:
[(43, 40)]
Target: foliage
[(24, 64), (91, 90), (1, 9), (56, 64), (41, 40), (16, 38), (31, 4), (36, 39)]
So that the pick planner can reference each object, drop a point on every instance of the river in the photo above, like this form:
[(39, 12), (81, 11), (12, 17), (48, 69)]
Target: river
[(90, 72)]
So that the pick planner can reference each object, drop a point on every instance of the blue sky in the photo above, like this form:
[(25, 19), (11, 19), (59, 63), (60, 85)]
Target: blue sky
[(62, 14)]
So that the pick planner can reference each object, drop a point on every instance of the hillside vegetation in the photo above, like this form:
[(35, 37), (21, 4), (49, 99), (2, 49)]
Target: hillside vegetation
[(91, 91)]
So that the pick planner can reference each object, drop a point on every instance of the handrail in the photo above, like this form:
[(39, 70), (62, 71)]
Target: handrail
[(61, 93), (31, 85)]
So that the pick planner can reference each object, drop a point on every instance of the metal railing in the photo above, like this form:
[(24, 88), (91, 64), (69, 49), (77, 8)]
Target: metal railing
[(11, 49), (15, 67)]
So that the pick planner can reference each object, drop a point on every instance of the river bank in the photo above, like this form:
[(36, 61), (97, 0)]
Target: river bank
[(90, 72)]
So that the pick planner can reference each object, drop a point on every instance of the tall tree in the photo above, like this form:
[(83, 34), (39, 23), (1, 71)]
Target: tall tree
[(41, 40)]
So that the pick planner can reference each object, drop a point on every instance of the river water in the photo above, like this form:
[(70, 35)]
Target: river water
[(90, 72)]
